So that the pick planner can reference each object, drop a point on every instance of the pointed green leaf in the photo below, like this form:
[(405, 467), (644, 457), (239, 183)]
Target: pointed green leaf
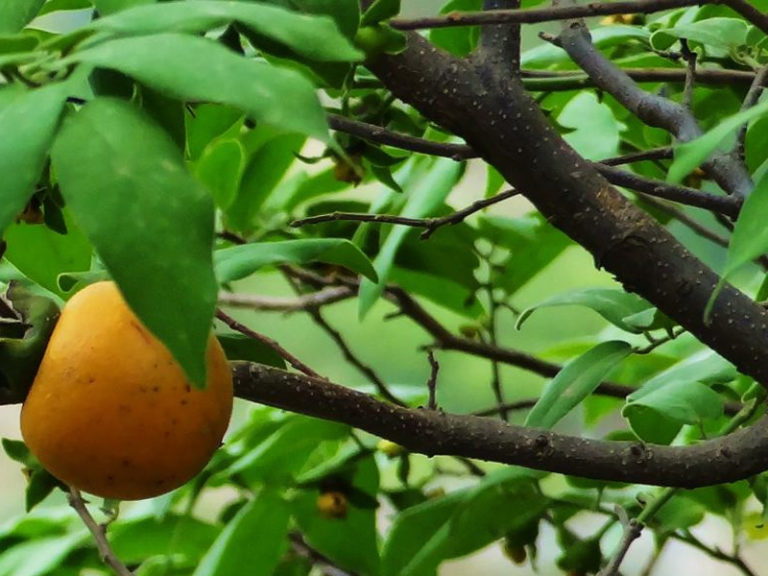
[(313, 37), (255, 538), (240, 261), (199, 69), (691, 154), (750, 235), (150, 220), (15, 14), (612, 304), (28, 121), (577, 380), (428, 191)]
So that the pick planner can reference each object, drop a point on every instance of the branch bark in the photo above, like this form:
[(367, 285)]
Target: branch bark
[(727, 459), (500, 121)]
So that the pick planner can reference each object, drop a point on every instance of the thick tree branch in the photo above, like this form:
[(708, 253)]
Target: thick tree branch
[(652, 109), (728, 459), (506, 127), (500, 44)]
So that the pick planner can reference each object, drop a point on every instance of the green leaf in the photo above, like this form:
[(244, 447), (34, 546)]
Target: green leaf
[(428, 191), (313, 37), (612, 304), (238, 262), (380, 10), (677, 396), (220, 168), (28, 119), (136, 539), (255, 538), (727, 33), (350, 542), (679, 513), (692, 154), (18, 451), (462, 522), (533, 244), (127, 186), (57, 5), (266, 167), (283, 454), (240, 347), (594, 127), (40, 556), (15, 14), (106, 7), (41, 484), (199, 69), (577, 380), (42, 254), (750, 235)]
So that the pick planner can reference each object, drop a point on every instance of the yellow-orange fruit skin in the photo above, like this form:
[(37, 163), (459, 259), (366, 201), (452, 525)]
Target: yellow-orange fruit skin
[(112, 413)]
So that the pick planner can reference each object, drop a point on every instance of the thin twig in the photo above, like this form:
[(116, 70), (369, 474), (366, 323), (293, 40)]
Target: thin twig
[(99, 533), (735, 560), (311, 301), (531, 16), (287, 356), (388, 137), (662, 153), (690, 73), (430, 224), (509, 407), (729, 205), (694, 225), (753, 95), (632, 531), (542, 80), (432, 381)]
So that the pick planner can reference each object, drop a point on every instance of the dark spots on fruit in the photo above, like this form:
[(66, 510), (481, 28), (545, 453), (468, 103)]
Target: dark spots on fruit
[(126, 462), (110, 479), (160, 481), (167, 434), (91, 380), (124, 408), (184, 402), (174, 421), (187, 389), (155, 388)]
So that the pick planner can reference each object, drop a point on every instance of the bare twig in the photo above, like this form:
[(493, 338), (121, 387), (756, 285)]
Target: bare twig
[(662, 153), (287, 356), (432, 381), (690, 73), (381, 135), (430, 224), (531, 16), (729, 205), (309, 301), (733, 559), (99, 533), (753, 95), (632, 531), (553, 80)]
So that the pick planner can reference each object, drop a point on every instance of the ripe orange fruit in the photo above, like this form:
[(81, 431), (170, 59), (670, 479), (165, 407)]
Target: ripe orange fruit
[(111, 412)]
